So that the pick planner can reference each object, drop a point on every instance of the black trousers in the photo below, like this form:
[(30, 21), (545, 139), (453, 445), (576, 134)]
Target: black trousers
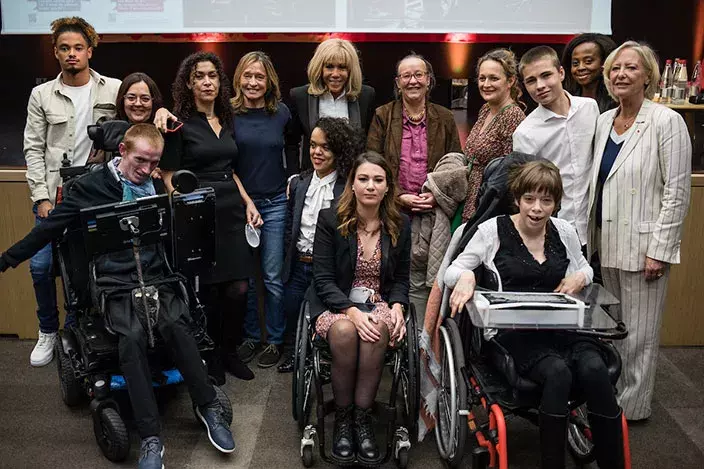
[(173, 327)]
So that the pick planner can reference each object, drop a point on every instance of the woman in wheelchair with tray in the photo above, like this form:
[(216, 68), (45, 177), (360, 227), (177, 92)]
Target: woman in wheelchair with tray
[(531, 251), (361, 262)]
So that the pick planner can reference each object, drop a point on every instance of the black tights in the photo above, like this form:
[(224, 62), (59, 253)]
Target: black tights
[(225, 305), (589, 373), (356, 365)]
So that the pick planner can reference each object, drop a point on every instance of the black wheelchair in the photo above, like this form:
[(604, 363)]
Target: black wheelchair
[(87, 352), (479, 385), (312, 371)]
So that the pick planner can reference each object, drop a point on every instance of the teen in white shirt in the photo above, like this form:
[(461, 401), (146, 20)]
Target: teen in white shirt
[(561, 130)]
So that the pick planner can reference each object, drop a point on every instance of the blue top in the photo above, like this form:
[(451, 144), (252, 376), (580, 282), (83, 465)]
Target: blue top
[(260, 141), (607, 161)]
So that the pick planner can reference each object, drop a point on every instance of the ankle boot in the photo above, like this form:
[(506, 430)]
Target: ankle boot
[(367, 449), (234, 364), (607, 434), (342, 440), (215, 368), (553, 433)]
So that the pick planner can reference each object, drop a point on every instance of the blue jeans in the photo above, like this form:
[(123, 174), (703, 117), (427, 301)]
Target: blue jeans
[(42, 269), (299, 280), (271, 250)]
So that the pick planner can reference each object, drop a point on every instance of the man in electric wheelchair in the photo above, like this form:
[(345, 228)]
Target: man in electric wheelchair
[(532, 252), (121, 179)]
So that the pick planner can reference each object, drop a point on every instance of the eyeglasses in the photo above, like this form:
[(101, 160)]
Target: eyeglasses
[(173, 126), (418, 75), (133, 98)]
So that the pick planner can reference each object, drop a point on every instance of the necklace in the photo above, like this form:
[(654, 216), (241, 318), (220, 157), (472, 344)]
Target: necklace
[(415, 117), (628, 122)]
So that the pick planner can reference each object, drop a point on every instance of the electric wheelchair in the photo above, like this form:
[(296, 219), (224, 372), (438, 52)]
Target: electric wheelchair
[(312, 371), (87, 352), (478, 383)]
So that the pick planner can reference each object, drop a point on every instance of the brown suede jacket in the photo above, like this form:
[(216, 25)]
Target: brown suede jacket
[(386, 133)]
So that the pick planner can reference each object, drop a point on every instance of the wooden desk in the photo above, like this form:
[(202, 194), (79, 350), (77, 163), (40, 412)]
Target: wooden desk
[(684, 306), (18, 305)]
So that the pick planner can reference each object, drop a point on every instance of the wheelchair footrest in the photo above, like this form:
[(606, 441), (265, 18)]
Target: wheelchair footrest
[(118, 382)]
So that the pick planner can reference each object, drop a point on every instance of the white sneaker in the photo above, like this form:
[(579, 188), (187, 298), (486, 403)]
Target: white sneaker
[(43, 352)]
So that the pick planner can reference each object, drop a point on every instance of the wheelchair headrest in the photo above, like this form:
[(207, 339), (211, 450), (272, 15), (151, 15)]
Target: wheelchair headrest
[(184, 181), (107, 135)]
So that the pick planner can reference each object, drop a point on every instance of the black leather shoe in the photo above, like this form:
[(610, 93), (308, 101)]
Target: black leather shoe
[(367, 449), (286, 366), (342, 440), (237, 367)]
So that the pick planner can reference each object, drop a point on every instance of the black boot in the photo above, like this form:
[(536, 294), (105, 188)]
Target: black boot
[(367, 449), (342, 441), (234, 364), (553, 433), (607, 434)]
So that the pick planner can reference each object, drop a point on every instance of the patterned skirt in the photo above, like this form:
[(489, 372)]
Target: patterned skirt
[(381, 313)]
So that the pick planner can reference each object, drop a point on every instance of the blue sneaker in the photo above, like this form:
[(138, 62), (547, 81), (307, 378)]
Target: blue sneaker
[(218, 430), (150, 453)]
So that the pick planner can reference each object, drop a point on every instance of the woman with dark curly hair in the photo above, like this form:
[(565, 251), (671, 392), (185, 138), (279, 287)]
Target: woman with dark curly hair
[(206, 145), (334, 144), (584, 57)]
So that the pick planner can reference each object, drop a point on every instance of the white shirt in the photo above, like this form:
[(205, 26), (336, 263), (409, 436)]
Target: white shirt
[(80, 97), (485, 243), (567, 142), (318, 196), (333, 107)]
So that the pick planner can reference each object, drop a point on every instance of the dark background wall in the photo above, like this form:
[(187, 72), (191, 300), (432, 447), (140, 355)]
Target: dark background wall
[(670, 27)]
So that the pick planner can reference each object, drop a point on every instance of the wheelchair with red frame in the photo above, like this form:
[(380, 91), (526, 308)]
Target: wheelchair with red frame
[(479, 386)]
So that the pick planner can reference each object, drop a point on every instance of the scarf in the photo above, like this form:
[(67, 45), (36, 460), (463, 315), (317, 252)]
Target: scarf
[(130, 190)]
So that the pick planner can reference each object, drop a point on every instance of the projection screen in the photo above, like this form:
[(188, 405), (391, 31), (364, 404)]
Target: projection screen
[(301, 16)]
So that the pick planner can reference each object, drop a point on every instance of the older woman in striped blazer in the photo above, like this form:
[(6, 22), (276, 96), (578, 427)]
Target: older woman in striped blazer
[(639, 195)]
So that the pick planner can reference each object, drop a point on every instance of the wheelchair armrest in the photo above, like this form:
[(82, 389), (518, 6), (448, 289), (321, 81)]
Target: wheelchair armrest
[(503, 361)]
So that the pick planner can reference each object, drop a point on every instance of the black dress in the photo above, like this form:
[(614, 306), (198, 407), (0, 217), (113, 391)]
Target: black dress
[(197, 148), (519, 271)]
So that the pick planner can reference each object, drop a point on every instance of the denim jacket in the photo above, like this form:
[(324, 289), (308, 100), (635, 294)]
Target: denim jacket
[(50, 130)]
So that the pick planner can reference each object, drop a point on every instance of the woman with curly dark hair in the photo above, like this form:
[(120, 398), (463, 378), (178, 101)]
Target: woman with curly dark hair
[(584, 58), (334, 144), (205, 144), (362, 262)]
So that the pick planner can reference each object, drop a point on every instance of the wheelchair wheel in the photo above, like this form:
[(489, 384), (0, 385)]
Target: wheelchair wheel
[(225, 404), (300, 342), (451, 430), (410, 378), (579, 438), (111, 434), (71, 389), (303, 391)]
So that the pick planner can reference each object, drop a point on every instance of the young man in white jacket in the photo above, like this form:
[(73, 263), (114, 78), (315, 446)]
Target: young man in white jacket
[(57, 116)]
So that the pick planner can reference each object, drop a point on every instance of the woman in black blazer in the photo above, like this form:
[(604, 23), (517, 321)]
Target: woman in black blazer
[(361, 268), (334, 144), (334, 89)]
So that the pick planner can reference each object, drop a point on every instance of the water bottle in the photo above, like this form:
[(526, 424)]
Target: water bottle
[(666, 83), (680, 84)]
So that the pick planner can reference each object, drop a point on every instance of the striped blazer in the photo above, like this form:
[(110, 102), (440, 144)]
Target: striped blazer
[(646, 193)]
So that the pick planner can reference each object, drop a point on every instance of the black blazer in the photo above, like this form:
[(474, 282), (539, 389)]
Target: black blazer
[(296, 200), (304, 115), (335, 260)]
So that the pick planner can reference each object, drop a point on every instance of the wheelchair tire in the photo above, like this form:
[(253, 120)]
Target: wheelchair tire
[(402, 459), (111, 434), (303, 391), (450, 429), (578, 441), (71, 390), (412, 372), (225, 404), (294, 382), (307, 456)]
